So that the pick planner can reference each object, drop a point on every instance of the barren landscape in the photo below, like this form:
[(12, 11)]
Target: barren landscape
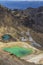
[(21, 28)]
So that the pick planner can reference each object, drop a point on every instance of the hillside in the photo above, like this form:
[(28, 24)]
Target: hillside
[(18, 25), (32, 18)]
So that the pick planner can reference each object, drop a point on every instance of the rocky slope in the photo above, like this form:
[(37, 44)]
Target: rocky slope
[(30, 18), (11, 20)]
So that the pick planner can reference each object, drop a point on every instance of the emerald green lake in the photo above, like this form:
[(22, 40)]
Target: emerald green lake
[(19, 51)]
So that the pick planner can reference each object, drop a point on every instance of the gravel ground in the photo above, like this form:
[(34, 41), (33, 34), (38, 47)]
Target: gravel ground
[(8, 59)]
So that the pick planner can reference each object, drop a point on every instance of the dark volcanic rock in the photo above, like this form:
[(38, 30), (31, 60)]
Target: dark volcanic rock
[(35, 18)]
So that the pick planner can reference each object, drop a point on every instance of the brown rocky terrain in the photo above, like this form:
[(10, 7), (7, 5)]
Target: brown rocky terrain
[(33, 18), (10, 20), (30, 17), (12, 60)]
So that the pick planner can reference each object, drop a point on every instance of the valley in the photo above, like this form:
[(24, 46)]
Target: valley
[(21, 29)]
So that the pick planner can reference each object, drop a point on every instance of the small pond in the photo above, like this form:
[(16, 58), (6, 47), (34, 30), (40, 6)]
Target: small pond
[(6, 37), (19, 51)]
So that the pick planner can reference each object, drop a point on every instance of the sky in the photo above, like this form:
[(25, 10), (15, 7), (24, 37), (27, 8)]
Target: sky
[(17, 4), (21, 0)]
